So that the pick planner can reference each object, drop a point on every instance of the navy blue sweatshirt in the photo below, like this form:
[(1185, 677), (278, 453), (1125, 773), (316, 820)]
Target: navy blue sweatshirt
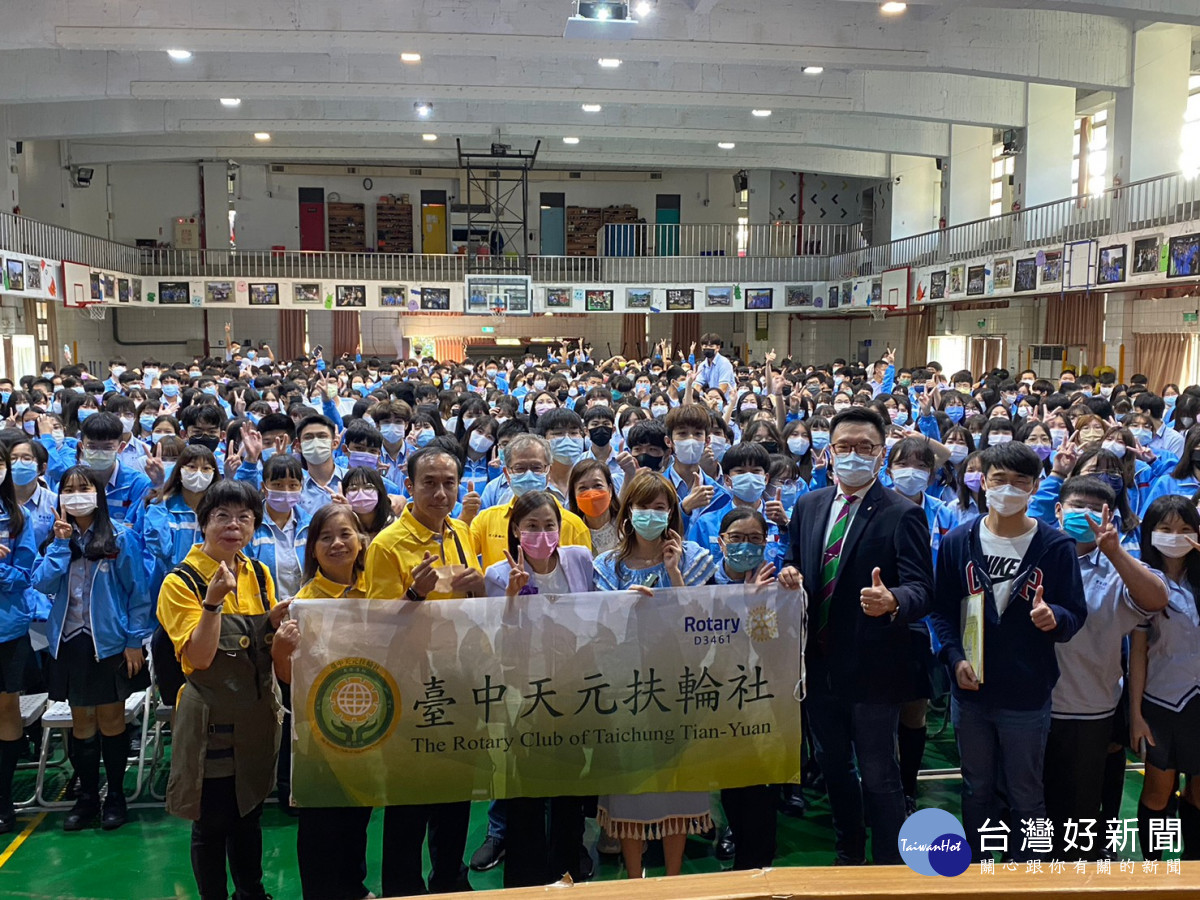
[(1020, 667)]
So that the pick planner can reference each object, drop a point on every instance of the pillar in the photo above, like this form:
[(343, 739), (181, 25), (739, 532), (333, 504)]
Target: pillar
[(1148, 119), (915, 196), (970, 174), (216, 204), (8, 161), (1042, 172)]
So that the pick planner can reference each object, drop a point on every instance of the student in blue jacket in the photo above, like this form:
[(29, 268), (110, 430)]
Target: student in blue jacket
[(100, 441), (169, 526), (1184, 479), (100, 614), (17, 555), (1011, 563)]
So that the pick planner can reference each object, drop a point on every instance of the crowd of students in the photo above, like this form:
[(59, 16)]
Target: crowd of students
[(182, 506)]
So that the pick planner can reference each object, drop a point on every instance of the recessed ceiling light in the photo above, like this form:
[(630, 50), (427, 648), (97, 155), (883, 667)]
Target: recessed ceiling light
[(602, 14), (570, 140), (760, 113), (410, 57), (262, 136), (179, 55), (813, 70), (726, 145), (893, 7), (609, 63), (424, 110), (231, 102), (592, 107), (429, 137), (644, 8)]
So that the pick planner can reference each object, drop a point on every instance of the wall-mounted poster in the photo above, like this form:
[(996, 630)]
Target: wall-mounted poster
[(798, 295), (218, 292), (108, 284), (558, 298), (876, 296), (124, 290), (33, 275), (176, 293), (94, 281), (435, 299), (847, 293), (718, 296), (1026, 279), (833, 296), (393, 296), (306, 292), (1112, 265), (937, 285), (135, 290), (957, 283), (1002, 277), (638, 298), (599, 301), (1052, 267), (264, 294), (1146, 255), (760, 298), (681, 299), (351, 296), (1183, 258), (976, 280)]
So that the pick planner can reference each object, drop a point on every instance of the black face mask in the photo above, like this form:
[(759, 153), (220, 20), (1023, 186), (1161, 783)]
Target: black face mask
[(769, 446), (601, 435), (1196, 460), (649, 461), (709, 352), (209, 442)]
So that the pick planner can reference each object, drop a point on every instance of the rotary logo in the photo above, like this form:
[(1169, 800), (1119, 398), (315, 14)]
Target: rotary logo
[(764, 624), (354, 704)]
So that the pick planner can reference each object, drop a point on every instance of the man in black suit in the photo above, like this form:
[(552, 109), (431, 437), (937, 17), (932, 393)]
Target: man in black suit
[(863, 552)]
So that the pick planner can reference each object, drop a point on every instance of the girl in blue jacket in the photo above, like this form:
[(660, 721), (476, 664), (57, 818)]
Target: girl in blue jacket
[(17, 554), (169, 527), (100, 613)]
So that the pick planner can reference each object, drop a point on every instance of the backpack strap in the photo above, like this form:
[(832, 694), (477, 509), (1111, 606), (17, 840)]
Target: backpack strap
[(193, 579), (260, 575)]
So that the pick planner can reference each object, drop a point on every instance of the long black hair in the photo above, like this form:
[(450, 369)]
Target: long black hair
[(1164, 508), (8, 495), (103, 542), (363, 477)]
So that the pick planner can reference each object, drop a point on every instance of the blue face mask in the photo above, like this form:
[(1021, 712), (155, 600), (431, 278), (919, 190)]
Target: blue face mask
[(86, 413), (649, 523), (23, 471), (954, 412), (747, 486), (147, 422), (568, 450), (391, 432), (172, 390), (530, 481), (1169, 401), (1075, 525), (820, 440), (745, 557), (1114, 481), (901, 418), (211, 390), (267, 453), (424, 437), (789, 497), (4, 395), (168, 468)]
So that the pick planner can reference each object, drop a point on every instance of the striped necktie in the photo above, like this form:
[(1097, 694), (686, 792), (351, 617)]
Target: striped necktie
[(831, 561)]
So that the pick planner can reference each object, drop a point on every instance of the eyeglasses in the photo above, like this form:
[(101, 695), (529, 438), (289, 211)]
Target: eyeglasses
[(745, 538), (243, 519), (863, 449), (536, 469)]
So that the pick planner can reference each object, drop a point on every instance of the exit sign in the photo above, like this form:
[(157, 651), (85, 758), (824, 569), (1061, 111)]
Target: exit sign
[(488, 329), (1191, 318)]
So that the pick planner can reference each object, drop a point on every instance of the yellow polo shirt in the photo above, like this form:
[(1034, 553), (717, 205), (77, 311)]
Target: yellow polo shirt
[(179, 608), (398, 549), (490, 531), (321, 587)]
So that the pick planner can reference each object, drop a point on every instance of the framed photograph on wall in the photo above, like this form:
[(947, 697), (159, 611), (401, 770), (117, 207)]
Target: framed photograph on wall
[(306, 293), (33, 275), (1147, 253), (135, 290), (393, 296), (1002, 273), (1026, 279), (1183, 256), (937, 285), (218, 292), (957, 281), (1112, 264), (94, 282), (797, 295), (976, 280), (598, 301), (558, 297), (435, 299), (638, 298), (718, 297), (264, 294), (177, 293), (350, 296), (760, 298), (1052, 267), (124, 290), (681, 299), (834, 297), (108, 285)]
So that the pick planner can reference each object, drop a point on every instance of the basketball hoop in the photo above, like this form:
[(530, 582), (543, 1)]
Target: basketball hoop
[(878, 313), (498, 310), (92, 311)]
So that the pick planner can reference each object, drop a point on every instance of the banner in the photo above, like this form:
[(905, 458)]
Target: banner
[(545, 695)]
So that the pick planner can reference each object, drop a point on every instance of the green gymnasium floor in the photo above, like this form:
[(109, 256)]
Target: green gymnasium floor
[(148, 858)]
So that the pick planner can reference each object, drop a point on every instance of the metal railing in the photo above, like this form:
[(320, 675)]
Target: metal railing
[(779, 240), (19, 234)]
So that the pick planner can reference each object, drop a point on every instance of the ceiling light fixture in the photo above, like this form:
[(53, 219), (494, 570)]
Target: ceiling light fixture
[(893, 7), (423, 108), (644, 8), (760, 113), (231, 102), (813, 70), (609, 63), (602, 14), (410, 57), (429, 137), (262, 136), (179, 55), (726, 145), (592, 107), (570, 140)]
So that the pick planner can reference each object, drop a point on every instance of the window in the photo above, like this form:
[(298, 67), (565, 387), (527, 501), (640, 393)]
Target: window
[(743, 235), (948, 349), (1189, 138), (1090, 150), (1002, 170)]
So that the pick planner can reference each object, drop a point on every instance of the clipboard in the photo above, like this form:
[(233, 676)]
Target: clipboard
[(972, 632)]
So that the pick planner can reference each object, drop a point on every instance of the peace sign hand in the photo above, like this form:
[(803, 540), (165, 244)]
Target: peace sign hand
[(518, 578), (1108, 539), (62, 527), (1064, 461)]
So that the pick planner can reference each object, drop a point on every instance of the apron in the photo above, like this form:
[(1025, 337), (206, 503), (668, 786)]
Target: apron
[(228, 720)]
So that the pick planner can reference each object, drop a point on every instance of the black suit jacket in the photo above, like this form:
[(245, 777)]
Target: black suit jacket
[(864, 659)]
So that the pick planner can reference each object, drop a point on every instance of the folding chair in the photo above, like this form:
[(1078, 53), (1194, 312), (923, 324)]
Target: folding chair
[(32, 707)]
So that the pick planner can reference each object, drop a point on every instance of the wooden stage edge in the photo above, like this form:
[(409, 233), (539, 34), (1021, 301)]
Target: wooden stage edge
[(882, 883)]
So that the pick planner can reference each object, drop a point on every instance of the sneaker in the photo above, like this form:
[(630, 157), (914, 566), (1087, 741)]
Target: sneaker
[(608, 845), (489, 854)]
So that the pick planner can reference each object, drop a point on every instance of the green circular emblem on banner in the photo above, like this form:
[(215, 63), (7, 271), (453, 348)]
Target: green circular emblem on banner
[(353, 704)]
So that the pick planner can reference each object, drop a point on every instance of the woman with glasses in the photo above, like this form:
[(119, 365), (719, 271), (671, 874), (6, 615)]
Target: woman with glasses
[(219, 609)]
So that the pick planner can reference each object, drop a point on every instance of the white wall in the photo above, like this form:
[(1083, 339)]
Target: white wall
[(45, 184), (970, 173), (147, 197)]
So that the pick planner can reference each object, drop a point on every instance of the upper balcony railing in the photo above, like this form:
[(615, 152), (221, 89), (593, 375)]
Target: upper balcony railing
[(657, 254)]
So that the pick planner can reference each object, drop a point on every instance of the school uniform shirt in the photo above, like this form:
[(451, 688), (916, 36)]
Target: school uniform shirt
[(398, 549), (1173, 669), (313, 496), (721, 497), (126, 494), (712, 373), (39, 512), (489, 532), (1091, 673), (496, 493), (942, 520), (705, 529), (134, 455), (1167, 440), (394, 466), (1166, 485), (282, 550), (617, 473), (169, 531), (964, 515)]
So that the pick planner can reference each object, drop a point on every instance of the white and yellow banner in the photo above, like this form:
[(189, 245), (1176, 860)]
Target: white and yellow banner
[(399, 703)]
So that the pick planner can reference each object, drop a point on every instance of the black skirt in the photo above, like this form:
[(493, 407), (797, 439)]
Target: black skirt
[(921, 663), (15, 657), (79, 678), (1176, 737)]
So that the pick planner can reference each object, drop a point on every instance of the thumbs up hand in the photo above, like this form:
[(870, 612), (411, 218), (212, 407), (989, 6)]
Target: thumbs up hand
[(775, 510), (877, 600), (699, 496), (1041, 614), (470, 504)]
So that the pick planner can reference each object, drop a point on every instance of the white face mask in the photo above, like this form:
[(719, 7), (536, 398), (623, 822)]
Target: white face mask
[(1007, 500), (195, 480), (1172, 546), (689, 451), (78, 504), (316, 451)]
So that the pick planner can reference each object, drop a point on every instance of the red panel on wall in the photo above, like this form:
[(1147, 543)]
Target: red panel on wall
[(312, 219)]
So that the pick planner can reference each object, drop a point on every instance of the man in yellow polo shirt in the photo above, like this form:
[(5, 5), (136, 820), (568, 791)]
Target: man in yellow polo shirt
[(526, 466)]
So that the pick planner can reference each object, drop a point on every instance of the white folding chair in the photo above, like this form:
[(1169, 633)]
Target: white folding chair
[(32, 707)]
